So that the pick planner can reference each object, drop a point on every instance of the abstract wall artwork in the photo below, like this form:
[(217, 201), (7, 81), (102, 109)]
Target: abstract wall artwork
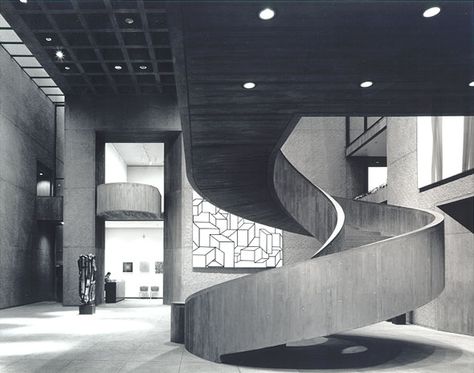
[(221, 239), (127, 267)]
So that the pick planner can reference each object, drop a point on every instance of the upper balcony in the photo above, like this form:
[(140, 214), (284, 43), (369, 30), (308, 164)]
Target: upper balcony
[(128, 201)]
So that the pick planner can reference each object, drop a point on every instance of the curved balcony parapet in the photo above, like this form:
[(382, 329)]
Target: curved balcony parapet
[(128, 201)]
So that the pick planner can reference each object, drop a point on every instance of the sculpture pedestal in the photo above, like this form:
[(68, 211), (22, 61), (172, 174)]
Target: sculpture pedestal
[(177, 322), (86, 309)]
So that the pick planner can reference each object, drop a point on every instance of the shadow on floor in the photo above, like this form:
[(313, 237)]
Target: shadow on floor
[(340, 352)]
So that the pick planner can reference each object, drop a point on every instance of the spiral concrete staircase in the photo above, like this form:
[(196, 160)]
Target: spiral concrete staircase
[(376, 261), (384, 261)]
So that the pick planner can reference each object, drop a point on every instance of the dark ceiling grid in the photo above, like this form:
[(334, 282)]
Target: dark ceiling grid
[(120, 39), (97, 51), (95, 37), (144, 19), (65, 43)]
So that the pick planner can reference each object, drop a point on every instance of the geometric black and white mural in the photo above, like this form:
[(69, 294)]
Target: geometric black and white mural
[(221, 239)]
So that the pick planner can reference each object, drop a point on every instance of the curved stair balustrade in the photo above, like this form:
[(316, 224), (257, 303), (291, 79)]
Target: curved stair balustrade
[(386, 260), (128, 201)]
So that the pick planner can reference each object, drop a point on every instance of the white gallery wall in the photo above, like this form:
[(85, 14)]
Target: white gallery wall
[(151, 175), (142, 246), (115, 166)]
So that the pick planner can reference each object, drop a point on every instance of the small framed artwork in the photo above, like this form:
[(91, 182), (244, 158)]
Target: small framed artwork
[(127, 267), (158, 267), (144, 267)]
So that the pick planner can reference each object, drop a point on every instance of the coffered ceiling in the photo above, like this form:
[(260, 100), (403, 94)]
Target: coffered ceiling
[(97, 46)]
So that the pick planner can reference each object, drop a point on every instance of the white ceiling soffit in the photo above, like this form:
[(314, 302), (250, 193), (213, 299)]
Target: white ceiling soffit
[(3, 22), (14, 46), (141, 154)]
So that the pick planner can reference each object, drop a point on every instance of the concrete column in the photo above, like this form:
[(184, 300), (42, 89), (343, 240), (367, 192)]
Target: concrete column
[(79, 205)]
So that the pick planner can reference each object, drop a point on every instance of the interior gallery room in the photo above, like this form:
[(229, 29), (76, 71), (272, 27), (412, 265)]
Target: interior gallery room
[(236, 186)]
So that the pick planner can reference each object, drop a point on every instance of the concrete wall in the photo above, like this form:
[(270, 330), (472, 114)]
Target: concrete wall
[(142, 119), (308, 148), (317, 149), (26, 135), (454, 310)]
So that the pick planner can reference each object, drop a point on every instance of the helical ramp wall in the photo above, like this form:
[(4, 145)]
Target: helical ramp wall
[(377, 261), (400, 268)]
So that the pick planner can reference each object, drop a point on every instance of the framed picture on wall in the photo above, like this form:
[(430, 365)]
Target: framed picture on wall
[(127, 267), (158, 267), (144, 267)]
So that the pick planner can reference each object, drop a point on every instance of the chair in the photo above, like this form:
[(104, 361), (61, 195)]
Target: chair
[(155, 291), (144, 292)]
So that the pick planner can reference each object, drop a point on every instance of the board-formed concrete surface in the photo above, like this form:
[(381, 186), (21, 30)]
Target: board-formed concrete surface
[(133, 336)]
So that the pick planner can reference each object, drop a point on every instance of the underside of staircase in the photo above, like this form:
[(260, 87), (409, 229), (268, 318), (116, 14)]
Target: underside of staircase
[(377, 261)]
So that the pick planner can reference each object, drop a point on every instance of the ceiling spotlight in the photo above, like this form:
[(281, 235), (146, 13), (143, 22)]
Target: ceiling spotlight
[(431, 12), (366, 84), (266, 14), (48, 39), (118, 67), (471, 84), (249, 85), (143, 67), (129, 20), (23, 1), (67, 68), (60, 55)]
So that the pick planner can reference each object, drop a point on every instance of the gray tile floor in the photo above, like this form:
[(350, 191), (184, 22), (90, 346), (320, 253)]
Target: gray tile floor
[(133, 336)]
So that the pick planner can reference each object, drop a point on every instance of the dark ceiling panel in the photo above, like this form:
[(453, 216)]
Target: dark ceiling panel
[(95, 36)]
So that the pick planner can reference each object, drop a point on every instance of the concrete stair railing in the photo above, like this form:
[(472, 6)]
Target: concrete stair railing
[(377, 262)]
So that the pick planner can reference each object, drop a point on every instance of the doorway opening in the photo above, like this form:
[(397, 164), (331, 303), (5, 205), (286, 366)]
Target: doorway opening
[(134, 249)]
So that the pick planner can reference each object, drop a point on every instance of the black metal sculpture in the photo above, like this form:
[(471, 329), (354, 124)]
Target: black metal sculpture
[(87, 271)]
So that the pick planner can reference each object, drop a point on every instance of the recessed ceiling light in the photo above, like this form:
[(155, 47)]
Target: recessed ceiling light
[(48, 39), (366, 84), (23, 1), (249, 85), (60, 55), (67, 68), (431, 12), (143, 67), (118, 67), (129, 20), (471, 84), (266, 14)]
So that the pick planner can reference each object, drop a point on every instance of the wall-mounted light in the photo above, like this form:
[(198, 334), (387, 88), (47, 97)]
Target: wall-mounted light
[(471, 84), (129, 20), (118, 67), (143, 67), (48, 39)]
